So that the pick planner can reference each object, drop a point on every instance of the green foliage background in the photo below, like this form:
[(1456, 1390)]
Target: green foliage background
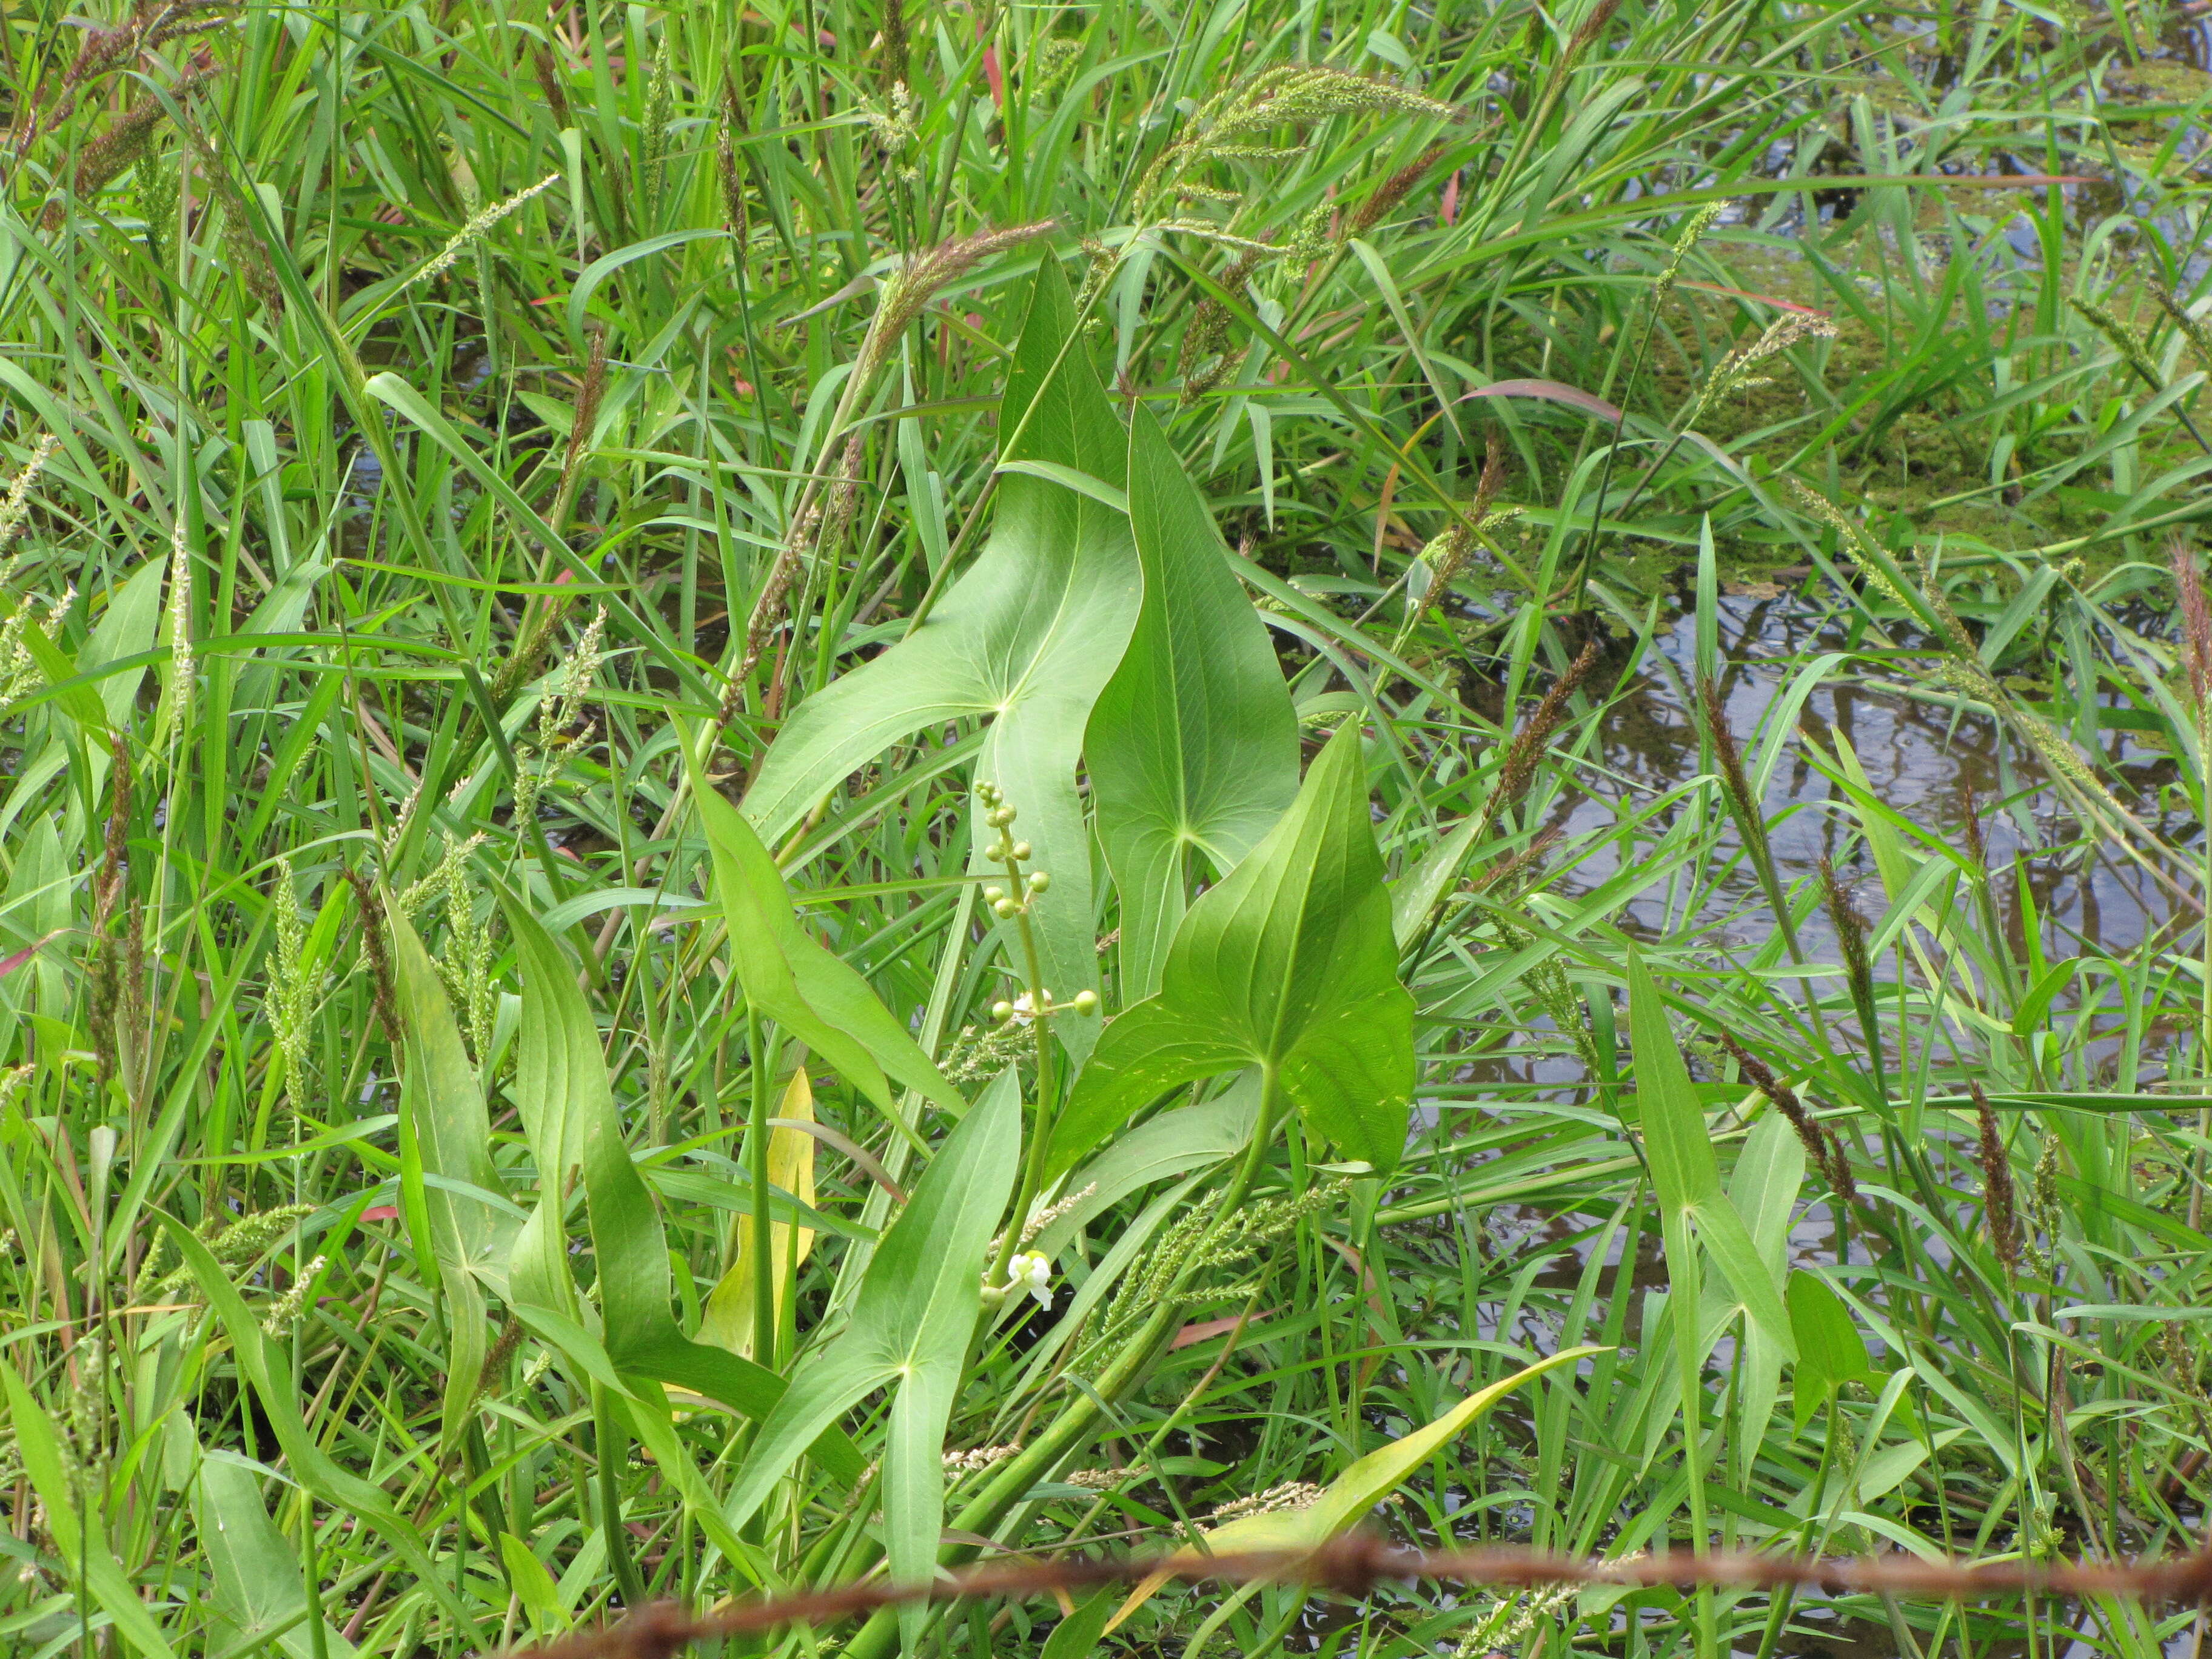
[(788, 791)]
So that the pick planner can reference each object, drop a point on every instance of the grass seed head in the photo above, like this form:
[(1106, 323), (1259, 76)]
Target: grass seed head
[(479, 225), (2193, 328), (283, 1314), (896, 52), (1393, 190), (1998, 1206), (1591, 28), (376, 954), (1726, 753), (1822, 1149), (1693, 232), (548, 83), (15, 506), (1053, 61), (2043, 1209), (2125, 340), (1537, 731), (1851, 929), (2196, 620), (1735, 371), (957, 1463), (1299, 94), (1099, 1480), (1288, 1498), (1970, 819), (292, 998), (905, 292), (178, 627), (20, 674)]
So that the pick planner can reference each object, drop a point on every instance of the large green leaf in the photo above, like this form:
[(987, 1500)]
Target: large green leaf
[(1678, 1141), (258, 1587), (1193, 744), (808, 990), (568, 1115), (1165, 1147), (912, 1322), (1288, 965), (1026, 638)]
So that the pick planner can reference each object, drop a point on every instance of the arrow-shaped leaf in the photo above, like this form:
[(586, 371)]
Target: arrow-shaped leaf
[(258, 1586), (1288, 965), (1194, 745), (1025, 639)]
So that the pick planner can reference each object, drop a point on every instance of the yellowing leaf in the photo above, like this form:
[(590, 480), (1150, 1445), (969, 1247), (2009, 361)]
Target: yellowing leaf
[(729, 1315), (1346, 1499)]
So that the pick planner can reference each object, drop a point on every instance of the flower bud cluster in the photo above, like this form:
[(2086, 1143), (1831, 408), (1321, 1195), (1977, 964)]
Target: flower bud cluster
[(1013, 901), (1024, 1008), (1006, 850)]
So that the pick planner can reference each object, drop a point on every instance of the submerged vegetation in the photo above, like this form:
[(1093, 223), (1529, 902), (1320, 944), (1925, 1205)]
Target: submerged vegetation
[(795, 792)]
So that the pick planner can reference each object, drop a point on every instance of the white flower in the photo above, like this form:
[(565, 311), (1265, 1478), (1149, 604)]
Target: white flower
[(1032, 1272)]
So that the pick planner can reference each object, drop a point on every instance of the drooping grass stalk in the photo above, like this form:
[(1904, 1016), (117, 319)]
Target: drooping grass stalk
[(1744, 809)]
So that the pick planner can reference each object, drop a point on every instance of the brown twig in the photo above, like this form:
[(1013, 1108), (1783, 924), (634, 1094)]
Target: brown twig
[(1354, 1566)]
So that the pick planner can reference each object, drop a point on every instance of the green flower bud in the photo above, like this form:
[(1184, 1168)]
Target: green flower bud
[(999, 817), (993, 894), (1021, 852), (1039, 881), (1002, 1011), (1006, 908), (1085, 1003)]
